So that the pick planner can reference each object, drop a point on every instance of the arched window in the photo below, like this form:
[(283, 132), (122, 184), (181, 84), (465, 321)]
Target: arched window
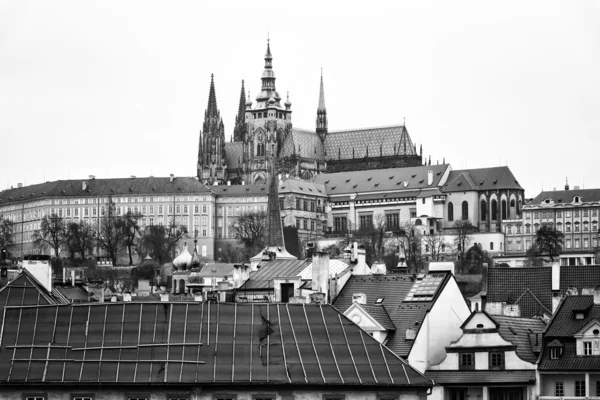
[(465, 211), (450, 211), (512, 202), (494, 210), (503, 209), (483, 210), (260, 149)]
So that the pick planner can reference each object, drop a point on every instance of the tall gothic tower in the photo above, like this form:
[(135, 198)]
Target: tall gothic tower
[(239, 131), (211, 153), (268, 123), (322, 113)]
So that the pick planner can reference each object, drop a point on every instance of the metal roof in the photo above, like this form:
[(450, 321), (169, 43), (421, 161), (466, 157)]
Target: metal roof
[(194, 343), (481, 377)]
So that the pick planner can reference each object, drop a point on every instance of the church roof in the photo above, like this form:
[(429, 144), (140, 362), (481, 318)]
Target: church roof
[(481, 179), (303, 143), (383, 141), (392, 179)]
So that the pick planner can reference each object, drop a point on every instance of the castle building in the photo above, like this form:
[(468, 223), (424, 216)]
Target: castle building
[(263, 131)]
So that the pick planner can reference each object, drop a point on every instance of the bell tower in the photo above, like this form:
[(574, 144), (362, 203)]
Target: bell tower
[(211, 153)]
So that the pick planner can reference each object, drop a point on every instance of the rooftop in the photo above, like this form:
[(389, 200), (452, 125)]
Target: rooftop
[(481, 179)]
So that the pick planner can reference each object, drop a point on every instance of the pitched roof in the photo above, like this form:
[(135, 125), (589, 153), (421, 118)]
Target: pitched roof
[(217, 269), (303, 143), (195, 343), (518, 330), (566, 196), (564, 324), (295, 185), (240, 190), (393, 289), (481, 179), (105, 187), (382, 141), (26, 290), (474, 377), (335, 267), (380, 315), (532, 287), (569, 360), (381, 180), (267, 270)]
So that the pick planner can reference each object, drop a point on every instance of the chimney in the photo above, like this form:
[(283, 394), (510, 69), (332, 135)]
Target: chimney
[(83, 185), (279, 177), (72, 277), (164, 296), (171, 178), (555, 276), (572, 291), (19, 185), (102, 294), (495, 308), (556, 298), (132, 176), (243, 183), (41, 270), (320, 271), (575, 187), (126, 296), (92, 176), (511, 310), (360, 298), (597, 295), (429, 177)]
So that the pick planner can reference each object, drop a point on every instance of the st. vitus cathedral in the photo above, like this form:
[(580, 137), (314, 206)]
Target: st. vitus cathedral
[(263, 133)]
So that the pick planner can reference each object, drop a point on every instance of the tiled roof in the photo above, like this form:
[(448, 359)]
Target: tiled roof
[(392, 179), (194, 343), (517, 331), (392, 289), (294, 185), (25, 290), (303, 143), (217, 269), (381, 316), (383, 141), (566, 196), (267, 270), (105, 187), (569, 360), (480, 377), (240, 190), (532, 287), (234, 152), (564, 324), (335, 267), (481, 179)]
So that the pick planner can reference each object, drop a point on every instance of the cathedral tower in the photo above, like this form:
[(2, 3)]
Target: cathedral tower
[(211, 153), (322, 112), (239, 132)]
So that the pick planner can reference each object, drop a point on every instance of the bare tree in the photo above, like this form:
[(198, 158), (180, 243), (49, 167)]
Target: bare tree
[(250, 228), (161, 242), (109, 232), (435, 245), (51, 234), (410, 243), (6, 229), (79, 238), (463, 230), (131, 231), (372, 237)]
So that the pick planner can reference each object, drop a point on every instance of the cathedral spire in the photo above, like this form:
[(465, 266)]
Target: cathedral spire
[(268, 80), (321, 112), (212, 110), (240, 118)]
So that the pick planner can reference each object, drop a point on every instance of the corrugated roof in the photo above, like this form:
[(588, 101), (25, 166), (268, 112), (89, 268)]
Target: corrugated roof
[(26, 290), (517, 331), (194, 343), (381, 180), (381, 141), (481, 179), (566, 196), (106, 187), (267, 270), (447, 378)]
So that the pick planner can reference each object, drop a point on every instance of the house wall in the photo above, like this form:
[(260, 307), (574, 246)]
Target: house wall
[(457, 198), (548, 383), (440, 327)]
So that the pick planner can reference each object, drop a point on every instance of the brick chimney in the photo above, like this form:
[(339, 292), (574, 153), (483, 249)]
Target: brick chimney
[(555, 276)]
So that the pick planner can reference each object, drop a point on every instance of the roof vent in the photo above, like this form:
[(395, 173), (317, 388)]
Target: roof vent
[(413, 175), (132, 176), (19, 185), (347, 180), (369, 178), (496, 181)]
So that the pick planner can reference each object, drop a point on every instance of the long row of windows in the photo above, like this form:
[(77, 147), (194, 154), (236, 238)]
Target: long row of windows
[(559, 214), (90, 396)]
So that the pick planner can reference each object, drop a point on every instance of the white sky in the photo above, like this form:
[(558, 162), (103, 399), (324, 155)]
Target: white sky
[(119, 88)]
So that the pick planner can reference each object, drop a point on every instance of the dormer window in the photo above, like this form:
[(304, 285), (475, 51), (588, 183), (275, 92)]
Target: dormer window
[(587, 348), (577, 199), (555, 353)]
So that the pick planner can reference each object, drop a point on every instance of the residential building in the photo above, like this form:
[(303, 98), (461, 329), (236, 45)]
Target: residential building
[(494, 358), (570, 363)]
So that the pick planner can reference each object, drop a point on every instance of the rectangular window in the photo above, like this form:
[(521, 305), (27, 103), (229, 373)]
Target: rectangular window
[(576, 227), (586, 243), (281, 204), (170, 209), (297, 223), (204, 220), (568, 243), (497, 360), (536, 215), (196, 209), (594, 243), (305, 224), (305, 205), (312, 206), (585, 213), (554, 353), (82, 397), (576, 243), (392, 220), (35, 396), (340, 224), (559, 389), (568, 214), (466, 361), (160, 210), (204, 209), (527, 229), (225, 397), (312, 225), (576, 213), (178, 209), (297, 204), (185, 209), (580, 388), (559, 214), (365, 221), (587, 348)]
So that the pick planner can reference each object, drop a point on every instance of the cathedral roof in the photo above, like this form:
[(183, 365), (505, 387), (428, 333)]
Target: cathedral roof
[(303, 143), (384, 141), (481, 179)]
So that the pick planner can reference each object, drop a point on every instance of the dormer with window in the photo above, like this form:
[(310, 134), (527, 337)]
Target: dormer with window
[(588, 339)]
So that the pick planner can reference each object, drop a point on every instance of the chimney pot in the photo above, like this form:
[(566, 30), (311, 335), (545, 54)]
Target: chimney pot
[(171, 178), (92, 176)]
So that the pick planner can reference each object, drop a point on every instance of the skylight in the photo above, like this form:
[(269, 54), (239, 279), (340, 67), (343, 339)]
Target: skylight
[(424, 289)]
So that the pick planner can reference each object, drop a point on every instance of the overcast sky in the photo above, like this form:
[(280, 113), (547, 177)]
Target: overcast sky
[(119, 88)]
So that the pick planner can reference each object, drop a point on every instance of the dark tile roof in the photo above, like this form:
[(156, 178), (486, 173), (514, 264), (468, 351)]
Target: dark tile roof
[(518, 330), (481, 179), (195, 343), (480, 377), (566, 196), (240, 190), (105, 187), (267, 270), (234, 152), (384, 141), (294, 185), (393, 289), (381, 180), (569, 360), (25, 290), (74, 293), (532, 287), (381, 316), (303, 143)]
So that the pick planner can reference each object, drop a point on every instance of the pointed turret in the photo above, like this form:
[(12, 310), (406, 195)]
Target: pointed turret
[(268, 81), (212, 110), (212, 147), (322, 112), (239, 132)]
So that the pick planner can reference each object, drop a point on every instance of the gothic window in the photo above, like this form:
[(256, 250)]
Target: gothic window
[(494, 210), (503, 209), (260, 150), (483, 210), (450, 211), (465, 211)]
